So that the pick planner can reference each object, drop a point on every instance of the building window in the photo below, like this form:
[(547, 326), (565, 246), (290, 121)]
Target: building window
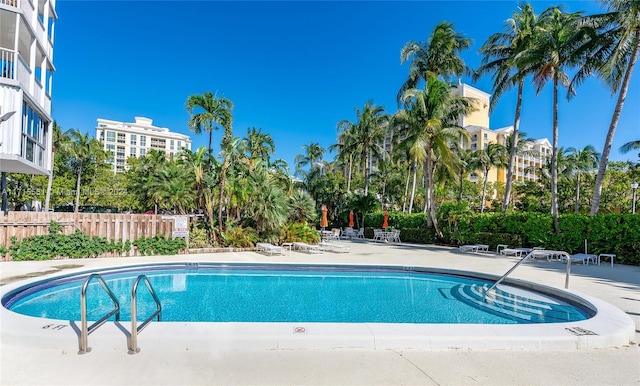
[(143, 141), (101, 136), (179, 145), (34, 135), (111, 136), (122, 138), (486, 137), (474, 137), (132, 152), (474, 176), (133, 139), (486, 145), (474, 146), (171, 145), (143, 152)]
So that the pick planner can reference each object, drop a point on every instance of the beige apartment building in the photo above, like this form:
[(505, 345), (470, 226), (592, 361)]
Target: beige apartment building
[(527, 164), (135, 139)]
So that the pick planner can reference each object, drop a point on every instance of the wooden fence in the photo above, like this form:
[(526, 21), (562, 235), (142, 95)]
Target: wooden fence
[(112, 226)]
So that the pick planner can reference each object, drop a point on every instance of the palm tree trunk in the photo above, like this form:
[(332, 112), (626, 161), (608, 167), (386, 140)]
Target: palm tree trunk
[(432, 218), (223, 181), (349, 171), (77, 206), (554, 158), (578, 194), (484, 189), (413, 188), (210, 137), (514, 146), (597, 191), (47, 199), (406, 192)]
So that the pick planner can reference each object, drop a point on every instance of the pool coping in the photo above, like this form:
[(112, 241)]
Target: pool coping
[(610, 327)]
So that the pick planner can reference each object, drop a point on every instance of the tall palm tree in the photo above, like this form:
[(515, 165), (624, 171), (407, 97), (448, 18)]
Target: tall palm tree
[(259, 146), (617, 58), (313, 153), (494, 155), (584, 160), (346, 142), (207, 111), (562, 42), (82, 149), (437, 110), (368, 133), (439, 55), (59, 140), (501, 51)]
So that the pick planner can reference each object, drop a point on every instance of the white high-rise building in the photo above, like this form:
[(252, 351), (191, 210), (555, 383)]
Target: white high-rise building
[(135, 139), (26, 68)]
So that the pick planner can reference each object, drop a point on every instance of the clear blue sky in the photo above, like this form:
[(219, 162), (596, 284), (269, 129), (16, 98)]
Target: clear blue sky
[(294, 69)]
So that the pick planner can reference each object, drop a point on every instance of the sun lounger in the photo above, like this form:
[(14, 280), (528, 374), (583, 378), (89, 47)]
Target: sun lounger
[(475, 248), (581, 257), (269, 248), (517, 252), (335, 247), (300, 246), (549, 255)]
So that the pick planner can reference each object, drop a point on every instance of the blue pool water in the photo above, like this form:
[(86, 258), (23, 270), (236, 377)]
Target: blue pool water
[(216, 293)]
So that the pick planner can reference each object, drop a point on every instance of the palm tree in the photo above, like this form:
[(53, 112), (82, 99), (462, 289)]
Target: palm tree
[(439, 55), (464, 159), (616, 60), (368, 133), (259, 146), (494, 155), (437, 109), (629, 146), (206, 111), (561, 43), (313, 153), (59, 140), (346, 142), (82, 149), (501, 51), (584, 160)]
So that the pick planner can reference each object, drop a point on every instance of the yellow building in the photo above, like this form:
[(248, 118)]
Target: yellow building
[(527, 164)]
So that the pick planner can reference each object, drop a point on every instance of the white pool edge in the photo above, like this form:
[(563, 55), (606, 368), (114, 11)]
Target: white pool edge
[(610, 327)]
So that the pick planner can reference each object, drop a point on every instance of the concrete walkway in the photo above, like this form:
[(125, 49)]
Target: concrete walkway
[(619, 286)]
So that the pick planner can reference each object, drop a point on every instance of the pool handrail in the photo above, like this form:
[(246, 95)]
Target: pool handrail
[(86, 330), (507, 274), (135, 329)]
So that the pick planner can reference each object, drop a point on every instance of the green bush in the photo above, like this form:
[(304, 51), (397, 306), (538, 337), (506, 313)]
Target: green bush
[(299, 232), (159, 245)]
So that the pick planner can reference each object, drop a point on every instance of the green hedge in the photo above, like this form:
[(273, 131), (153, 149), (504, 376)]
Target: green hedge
[(606, 233)]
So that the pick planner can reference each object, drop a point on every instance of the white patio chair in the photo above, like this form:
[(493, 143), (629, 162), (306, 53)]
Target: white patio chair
[(360, 234)]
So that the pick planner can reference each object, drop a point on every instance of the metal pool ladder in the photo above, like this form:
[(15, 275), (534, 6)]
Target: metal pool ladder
[(86, 330), (507, 274), (135, 329)]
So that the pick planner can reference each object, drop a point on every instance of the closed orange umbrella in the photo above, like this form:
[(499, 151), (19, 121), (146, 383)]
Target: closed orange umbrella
[(323, 221), (351, 219), (385, 223)]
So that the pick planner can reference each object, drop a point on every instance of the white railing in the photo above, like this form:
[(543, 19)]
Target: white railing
[(10, 3), (7, 63)]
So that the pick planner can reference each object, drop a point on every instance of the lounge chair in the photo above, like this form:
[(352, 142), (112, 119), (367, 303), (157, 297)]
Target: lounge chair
[(583, 257), (475, 248), (549, 255), (360, 234), (300, 246), (269, 248), (335, 247)]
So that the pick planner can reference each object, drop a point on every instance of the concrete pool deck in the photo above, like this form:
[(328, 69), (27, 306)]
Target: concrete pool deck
[(202, 364)]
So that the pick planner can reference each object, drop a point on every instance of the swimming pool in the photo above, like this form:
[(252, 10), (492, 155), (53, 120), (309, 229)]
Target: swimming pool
[(259, 293), (596, 324)]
